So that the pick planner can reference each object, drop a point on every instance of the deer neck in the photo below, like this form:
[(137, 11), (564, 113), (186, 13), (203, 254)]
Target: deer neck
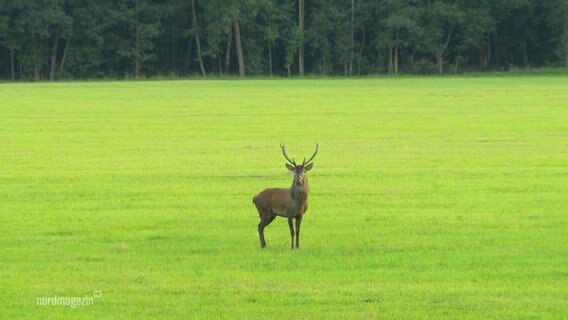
[(300, 192)]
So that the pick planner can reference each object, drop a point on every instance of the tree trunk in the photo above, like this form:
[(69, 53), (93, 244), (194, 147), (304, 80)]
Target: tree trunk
[(37, 64), (379, 56), (65, 50), (270, 58), (395, 62), (301, 12), (171, 66), (510, 59), (219, 63), (440, 53), (391, 60), (270, 42), (188, 53), (137, 48), (12, 64), (361, 51), (440, 63), (53, 57), (352, 54), (482, 57), (239, 49), (21, 71), (199, 56), (395, 54), (228, 52), (489, 50), (457, 62), (68, 41), (525, 54), (495, 49)]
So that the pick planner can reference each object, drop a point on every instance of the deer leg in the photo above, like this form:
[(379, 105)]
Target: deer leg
[(266, 219), (298, 222), (291, 225), (261, 234), (261, 226), (269, 220)]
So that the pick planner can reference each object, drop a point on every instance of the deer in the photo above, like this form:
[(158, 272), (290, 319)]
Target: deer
[(290, 203)]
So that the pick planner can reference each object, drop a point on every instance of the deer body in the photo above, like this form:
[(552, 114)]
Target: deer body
[(290, 203), (282, 202)]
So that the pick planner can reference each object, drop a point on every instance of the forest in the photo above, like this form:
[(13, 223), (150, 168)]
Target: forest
[(118, 39)]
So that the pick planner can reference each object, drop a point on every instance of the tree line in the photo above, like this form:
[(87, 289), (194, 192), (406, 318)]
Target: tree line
[(75, 39)]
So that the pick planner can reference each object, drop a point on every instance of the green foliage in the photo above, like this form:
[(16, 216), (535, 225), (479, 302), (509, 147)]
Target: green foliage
[(431, 198)]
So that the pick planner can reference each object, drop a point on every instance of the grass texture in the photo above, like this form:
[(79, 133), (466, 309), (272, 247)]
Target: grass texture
[(431, 198)]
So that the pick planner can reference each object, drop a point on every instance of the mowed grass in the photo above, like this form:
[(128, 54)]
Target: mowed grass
[(431, 198)]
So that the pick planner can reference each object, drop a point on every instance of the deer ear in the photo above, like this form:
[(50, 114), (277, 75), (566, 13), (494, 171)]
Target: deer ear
[(309, 167), (290, 168)]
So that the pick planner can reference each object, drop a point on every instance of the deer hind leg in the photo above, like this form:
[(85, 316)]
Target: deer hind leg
[(261, 235), (265, 219), (261, 226), (261, 214)]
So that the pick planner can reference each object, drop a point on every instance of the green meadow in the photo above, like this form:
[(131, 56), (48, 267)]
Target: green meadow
[(432, 197)]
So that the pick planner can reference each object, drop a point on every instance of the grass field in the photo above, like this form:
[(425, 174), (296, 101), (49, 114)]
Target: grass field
[(431, 198)]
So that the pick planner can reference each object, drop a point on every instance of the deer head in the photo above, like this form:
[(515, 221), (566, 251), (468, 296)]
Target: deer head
[(299, 170)]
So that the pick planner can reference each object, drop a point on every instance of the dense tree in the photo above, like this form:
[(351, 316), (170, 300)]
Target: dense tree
[(51, 39), (556, 22)]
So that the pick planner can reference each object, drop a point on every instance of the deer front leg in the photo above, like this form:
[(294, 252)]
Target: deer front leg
[(298, 222), (291, 225)]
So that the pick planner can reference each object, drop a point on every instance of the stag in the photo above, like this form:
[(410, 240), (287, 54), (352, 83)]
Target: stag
[(290, 203)]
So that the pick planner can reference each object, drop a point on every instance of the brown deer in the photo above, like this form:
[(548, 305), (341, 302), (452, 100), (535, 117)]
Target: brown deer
[(290, 203)]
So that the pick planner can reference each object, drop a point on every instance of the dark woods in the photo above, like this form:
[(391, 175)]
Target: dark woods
[(60, 39)]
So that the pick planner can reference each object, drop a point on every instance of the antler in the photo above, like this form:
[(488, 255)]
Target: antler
[(310, 160), (293, 162)]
